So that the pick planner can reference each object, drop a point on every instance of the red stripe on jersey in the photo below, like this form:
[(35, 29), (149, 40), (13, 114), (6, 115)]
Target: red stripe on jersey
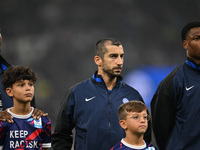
[(121, 145), (31, 137), (34, 134), (2, 134)]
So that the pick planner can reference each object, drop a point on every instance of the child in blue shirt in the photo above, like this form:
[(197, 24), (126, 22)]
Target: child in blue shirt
[(25, 133), (133, 118)]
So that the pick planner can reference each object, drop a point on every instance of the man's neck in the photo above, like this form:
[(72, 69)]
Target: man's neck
[(196, 61), (110, 82)]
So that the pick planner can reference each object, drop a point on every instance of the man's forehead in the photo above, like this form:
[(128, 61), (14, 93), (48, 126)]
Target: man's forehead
[(195, 31), (113, 49)]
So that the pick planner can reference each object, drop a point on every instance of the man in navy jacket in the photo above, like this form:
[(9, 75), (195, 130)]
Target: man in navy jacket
[(91, 106), (175, 106)]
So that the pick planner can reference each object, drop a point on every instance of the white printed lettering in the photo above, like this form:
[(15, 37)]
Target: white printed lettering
[(23, 144), (18, 134), (11, 134), (12, 144)]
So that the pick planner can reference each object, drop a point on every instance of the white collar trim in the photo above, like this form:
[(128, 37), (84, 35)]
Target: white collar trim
[(133, 146), (21, 116)]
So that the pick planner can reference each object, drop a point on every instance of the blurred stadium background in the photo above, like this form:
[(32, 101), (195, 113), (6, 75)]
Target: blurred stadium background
[(56, 38)]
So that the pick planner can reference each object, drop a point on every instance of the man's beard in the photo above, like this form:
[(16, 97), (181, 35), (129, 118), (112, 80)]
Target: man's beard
[(111, 73)]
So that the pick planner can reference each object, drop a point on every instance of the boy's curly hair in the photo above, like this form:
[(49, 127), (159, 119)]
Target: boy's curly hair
[(16, 73)]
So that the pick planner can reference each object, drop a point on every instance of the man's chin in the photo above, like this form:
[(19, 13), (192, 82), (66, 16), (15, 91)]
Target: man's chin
[(113, 75), (117, 73)]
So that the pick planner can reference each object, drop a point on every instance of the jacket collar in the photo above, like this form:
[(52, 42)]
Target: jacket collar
[(97, 78), (3, 64), (192, 64)]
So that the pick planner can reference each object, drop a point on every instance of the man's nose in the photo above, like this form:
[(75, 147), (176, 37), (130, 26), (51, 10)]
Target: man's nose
[(120, 61)]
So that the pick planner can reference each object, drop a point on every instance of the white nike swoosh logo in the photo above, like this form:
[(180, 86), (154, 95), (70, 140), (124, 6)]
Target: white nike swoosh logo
[(187, 89), (89, 99)]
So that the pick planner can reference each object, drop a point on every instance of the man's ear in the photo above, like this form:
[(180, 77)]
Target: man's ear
[(185, 44), (9, 91), (98, 60), (123, 124)]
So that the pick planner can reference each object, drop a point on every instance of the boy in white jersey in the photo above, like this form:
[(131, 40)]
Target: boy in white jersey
[(133, 118), (25, 133)]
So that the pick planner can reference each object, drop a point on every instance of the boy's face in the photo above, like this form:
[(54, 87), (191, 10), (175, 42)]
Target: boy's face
[(22, 91), (135, 123)]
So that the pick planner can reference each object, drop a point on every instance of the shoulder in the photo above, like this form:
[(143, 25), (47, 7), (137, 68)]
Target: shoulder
[(4, 125), (168, 80), (117, 146), (81, 84), (122, 84), (125, 87), (151, 147), (45, 119), (4, 62), (173, 73)]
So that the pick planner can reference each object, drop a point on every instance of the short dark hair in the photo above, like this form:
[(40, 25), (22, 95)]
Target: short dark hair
[(131, 106), (16, 73), (100, 49), (187, 27)]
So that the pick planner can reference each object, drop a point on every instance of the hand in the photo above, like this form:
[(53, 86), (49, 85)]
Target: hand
[(38, 113), (5, 116)]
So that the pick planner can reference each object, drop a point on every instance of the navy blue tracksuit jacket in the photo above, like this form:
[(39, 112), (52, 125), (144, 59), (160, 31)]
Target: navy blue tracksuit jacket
[(175, 109), (92, 111)]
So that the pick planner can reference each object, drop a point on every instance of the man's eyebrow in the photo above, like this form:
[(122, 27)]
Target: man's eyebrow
[(196, 35)]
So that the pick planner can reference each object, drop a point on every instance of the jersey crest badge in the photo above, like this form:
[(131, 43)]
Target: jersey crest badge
[(125, 100), (38, 123)]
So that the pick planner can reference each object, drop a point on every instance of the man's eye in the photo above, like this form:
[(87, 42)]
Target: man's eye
[(196, 38)]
